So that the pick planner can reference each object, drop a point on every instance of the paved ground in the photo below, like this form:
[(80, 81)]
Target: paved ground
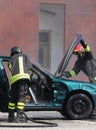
[(50, 117)]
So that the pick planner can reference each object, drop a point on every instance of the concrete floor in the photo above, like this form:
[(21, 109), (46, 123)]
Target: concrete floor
[(52, 117)]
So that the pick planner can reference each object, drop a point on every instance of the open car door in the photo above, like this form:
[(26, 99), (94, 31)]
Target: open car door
[(68, 54)]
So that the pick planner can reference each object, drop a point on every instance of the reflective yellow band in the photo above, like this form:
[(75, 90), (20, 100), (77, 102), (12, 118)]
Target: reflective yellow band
[(20, 105), (11, 106), (72, 72), (10, 66), (87, 49), (21, 74), (18, 76), (21, 68)]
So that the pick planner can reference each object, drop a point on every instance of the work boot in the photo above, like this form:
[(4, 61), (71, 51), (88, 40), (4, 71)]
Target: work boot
[(21, 118), (11, 117)]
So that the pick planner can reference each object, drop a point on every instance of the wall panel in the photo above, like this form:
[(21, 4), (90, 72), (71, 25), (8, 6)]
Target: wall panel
[(19, 26)]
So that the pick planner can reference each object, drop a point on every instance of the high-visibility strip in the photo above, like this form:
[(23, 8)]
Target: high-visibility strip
[(87, 49), (21, 68), (20, 105), (72, 72), (18, 76), (21, 75), (11, 106), (10, 66)]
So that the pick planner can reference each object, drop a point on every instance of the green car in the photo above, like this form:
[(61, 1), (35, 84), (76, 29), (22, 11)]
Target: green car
[(48, 92)]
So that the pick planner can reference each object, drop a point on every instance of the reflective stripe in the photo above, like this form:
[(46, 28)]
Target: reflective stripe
[(11, 106), (18, 76), (20, 105), (87, 49), (21, 68), (10, 66), (21, 75), (72, 72)]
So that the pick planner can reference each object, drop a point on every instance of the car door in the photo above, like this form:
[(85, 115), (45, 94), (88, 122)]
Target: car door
[(65, 60)]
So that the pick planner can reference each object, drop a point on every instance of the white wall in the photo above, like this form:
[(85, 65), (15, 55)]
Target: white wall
[(55, 24)]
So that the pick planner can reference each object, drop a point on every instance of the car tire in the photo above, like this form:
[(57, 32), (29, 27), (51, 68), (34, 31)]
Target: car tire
[(79, 106), (63, 113)]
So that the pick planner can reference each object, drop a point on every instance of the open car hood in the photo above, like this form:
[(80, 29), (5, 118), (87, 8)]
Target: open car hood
[(68, 54)]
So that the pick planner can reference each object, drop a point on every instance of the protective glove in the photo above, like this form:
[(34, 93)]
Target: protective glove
[(66, 74), (84, 44)]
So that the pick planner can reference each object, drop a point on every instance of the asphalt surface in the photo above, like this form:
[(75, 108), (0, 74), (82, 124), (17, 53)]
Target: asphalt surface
[(56, 118)]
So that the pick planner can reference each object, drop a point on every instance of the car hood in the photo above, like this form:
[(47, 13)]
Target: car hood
[(68, 54)]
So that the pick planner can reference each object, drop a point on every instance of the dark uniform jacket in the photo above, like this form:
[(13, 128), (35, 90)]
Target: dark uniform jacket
[(20, 67), (87, 64)]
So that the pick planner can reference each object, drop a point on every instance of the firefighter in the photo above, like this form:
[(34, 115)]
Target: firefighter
[(19, 66), (85, 62)]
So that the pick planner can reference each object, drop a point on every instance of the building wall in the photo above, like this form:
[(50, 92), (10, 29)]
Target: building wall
[(80, 19), (19, 23), (19, 26)]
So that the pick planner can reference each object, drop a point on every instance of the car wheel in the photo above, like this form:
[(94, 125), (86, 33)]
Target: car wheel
[(79, 106), (63, 113)]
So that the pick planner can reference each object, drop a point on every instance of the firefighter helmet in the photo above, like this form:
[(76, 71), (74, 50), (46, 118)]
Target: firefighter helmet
[(79, 51), (79, 48), (15, 50)]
